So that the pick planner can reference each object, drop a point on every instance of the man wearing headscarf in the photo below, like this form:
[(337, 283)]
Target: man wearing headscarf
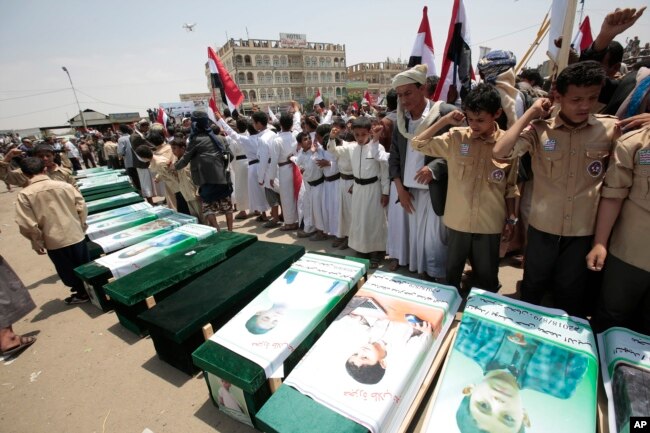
[(209, 158), (417, 236), (496, 68)]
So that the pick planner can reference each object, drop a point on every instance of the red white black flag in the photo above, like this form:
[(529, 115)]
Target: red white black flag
[(457, 62), (162, 118), (220, 78), (422, 52), (583, 38), (318, 98)]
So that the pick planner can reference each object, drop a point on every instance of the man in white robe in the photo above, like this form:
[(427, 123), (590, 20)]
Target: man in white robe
[(283, 159), (256, 196), (240, 169), (412, 175)]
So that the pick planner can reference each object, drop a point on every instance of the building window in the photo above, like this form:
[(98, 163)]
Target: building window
[(285, 77), (321, 62), (249, 78), (247, 60), (337, 77), (328, 62), (253, 96), (336, 62), (242, 78), (278, 77), (283, 60), (268, 78), (262, 94), (245, 93), (338, 92), (260, 77), (266, 60), (239, 60), (258, 60), (276, 61)]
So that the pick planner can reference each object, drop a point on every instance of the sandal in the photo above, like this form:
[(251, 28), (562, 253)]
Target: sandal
[(375, 260), (393, 265), (241, 216), (289, 227), (271, 224), (25, 342), (262, 218)]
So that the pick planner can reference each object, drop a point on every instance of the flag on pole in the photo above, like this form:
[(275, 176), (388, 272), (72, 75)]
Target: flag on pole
[(212, 109), (355, 106), (220, 79), (318, 98), (583, 38), (367, 98), (162, 118), (422, 52), (457, 62)]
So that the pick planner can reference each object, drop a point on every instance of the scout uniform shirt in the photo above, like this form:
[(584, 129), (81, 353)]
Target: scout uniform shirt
[(51, 214), (628, 177), (569, 165), (16, 177), (478, 184)]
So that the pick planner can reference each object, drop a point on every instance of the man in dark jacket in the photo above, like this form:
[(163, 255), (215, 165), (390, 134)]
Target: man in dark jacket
[(209, 156)]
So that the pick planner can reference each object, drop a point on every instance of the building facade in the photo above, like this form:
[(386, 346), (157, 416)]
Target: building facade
[(374, 77), (274, 72)]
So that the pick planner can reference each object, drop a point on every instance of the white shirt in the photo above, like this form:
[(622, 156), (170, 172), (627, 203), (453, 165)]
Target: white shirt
[(265, 150), (414, 159), (307, 163)]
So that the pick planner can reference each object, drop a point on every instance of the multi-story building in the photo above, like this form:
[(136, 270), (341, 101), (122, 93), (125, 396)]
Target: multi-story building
[(374, 77), (277, 71)]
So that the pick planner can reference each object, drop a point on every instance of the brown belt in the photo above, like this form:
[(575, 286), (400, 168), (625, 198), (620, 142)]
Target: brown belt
[(316, 182), (346, 176), (333, 177), (367, 181)]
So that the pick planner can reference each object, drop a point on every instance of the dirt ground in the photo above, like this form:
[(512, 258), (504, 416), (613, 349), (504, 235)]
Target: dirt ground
[(86, 373)]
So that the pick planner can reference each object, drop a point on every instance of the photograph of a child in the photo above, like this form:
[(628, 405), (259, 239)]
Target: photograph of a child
[(293, 291), (229, 398), (631, 389), (148, 227), (159, 242), (391, 326), (511, 362)]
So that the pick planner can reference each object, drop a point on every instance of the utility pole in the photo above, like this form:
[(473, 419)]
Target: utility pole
[(83, 119)]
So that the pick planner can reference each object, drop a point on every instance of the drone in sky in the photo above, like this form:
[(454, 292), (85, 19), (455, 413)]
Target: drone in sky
[(189, 26)]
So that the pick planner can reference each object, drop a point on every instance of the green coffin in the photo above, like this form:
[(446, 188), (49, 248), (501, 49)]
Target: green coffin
[(170, 274), (104, 188), (175, 324), (250, 377), (278, 415), (113, 202), (109, 193)]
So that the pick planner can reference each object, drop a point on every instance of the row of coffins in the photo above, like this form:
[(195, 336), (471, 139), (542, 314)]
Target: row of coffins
[(512, 367), (360, 358)]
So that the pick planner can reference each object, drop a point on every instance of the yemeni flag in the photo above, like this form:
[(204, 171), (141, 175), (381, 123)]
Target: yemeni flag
[(457, 64), (212, 109), (367, 97), (422, 52), (318, 98), (220, 79), (355, 106), (583, 38), (161, 117)]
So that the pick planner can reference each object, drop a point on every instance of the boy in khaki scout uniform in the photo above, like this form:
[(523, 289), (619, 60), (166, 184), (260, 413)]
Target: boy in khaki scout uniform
[(569, 155), (52, 215), (481, 190), (624, 212)]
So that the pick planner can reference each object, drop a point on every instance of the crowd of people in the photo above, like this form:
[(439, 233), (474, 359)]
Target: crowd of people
[(433, 186)]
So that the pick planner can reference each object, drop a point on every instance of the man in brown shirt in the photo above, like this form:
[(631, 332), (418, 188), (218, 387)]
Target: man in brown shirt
[(624, 213), (569, 154), (479, 187), (52, 215)]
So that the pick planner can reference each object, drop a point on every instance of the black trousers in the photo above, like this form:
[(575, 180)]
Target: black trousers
[(624, 299), (557, 263), (483, 252), (76, 165), (113, 162), (88, 160), (133, 175), (181, 204), (66, 259)]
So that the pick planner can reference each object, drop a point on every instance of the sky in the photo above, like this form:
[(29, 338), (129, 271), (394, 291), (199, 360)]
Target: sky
[(126, 56)]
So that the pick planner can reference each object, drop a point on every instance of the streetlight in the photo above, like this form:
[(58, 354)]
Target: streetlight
[(83, 120)]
